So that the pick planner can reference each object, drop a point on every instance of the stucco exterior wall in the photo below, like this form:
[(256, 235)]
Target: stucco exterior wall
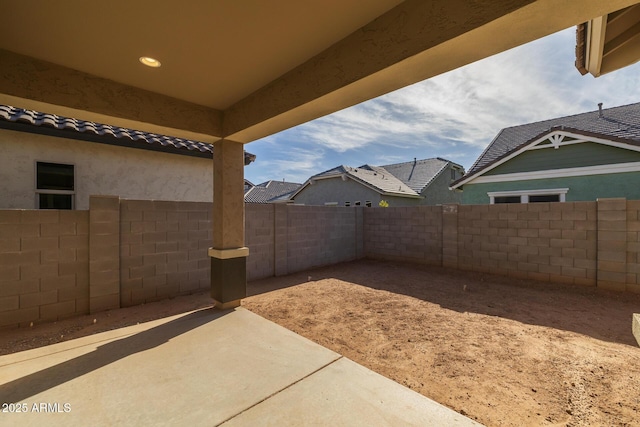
[(337, 190), (584, 188), (438, 192), (566, 156), (100, 169)]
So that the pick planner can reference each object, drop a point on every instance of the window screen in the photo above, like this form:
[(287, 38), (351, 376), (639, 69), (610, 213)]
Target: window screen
[(53, 176), (54, 185), (544, 198), (507, 199)]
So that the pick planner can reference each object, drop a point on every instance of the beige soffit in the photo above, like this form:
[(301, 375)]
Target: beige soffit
[(245, 69)]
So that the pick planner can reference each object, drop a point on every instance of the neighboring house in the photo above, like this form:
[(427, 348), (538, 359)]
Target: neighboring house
[(248, 185), (576, 158), (270, 192), (420, 182), (53, 162)]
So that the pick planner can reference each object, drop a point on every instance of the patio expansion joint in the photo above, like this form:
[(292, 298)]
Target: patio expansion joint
[(281, 390)]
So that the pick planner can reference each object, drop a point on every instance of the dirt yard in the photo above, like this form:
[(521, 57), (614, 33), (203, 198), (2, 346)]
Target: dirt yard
[(504, 352)]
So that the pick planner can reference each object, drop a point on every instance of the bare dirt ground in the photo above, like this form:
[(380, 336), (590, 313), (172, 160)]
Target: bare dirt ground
[(504, 352)]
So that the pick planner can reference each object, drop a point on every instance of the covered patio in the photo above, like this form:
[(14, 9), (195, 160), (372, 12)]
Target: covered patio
[(230, 73)]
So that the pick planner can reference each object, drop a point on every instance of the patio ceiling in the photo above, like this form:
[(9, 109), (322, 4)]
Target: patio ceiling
[(244, 69)]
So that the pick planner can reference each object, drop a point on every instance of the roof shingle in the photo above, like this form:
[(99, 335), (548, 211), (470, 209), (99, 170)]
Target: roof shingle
[(270, 191)]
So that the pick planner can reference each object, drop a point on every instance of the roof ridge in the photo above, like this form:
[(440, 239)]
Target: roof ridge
[(573, 115), (416, 160)]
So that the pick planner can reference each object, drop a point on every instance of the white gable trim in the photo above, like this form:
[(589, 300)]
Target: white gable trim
[(561, 173), (557, 139)]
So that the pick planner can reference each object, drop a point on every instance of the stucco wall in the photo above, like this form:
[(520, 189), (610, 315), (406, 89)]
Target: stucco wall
[(438, 192), (100, 169), (587, 188), (337, 190)]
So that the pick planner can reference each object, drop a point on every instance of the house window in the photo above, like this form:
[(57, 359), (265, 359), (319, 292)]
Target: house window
[(55, 186), (544, 198), (356, 203), (368, 203), (347, 204), (528, 196), (507, 199)]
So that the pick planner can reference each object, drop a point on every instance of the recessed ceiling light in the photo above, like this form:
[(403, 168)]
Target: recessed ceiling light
[(150, 62)]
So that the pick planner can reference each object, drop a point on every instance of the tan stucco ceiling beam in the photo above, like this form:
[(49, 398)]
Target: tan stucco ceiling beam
[(30, 83), (414, 41)]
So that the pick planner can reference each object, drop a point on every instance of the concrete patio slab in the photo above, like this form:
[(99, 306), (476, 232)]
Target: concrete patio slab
[(203, 368), (347, 394)]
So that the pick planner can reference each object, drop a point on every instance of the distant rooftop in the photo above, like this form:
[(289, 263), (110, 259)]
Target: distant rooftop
[(408, 179), (270, 191)]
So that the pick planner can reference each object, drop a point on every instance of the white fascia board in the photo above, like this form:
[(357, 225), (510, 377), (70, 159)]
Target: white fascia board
[(561, 173), (437, 174), (409, 196), (595, 44), (302, 187), (343, 175)]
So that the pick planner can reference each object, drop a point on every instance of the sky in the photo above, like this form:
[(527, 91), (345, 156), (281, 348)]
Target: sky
[(453, 115)]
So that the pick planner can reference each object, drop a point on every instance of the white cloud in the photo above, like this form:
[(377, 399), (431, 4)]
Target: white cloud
[(277, 160), (533, 82)]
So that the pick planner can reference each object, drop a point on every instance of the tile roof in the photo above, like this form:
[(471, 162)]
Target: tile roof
[(418, 174), (270, 191), (373, 176), (621, 123), (407, 179), (34, 121)]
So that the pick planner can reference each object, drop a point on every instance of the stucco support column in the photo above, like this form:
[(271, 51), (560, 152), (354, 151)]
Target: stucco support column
[(228, 254)]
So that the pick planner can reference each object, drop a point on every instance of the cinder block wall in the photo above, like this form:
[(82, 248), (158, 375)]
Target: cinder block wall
[(44, 265), (543, 241), (404, 233), (633, 246), (163, 249), (555, 242), (259, 237), (319, 235), (55, 264)]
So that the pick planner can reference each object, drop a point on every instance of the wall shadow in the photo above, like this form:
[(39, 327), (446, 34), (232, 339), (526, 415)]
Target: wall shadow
[(40, 381)]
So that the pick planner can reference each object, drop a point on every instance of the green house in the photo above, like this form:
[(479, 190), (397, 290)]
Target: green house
[(576, 158)]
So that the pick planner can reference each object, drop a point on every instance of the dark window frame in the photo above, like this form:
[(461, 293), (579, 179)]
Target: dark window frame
[(55, 189)]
